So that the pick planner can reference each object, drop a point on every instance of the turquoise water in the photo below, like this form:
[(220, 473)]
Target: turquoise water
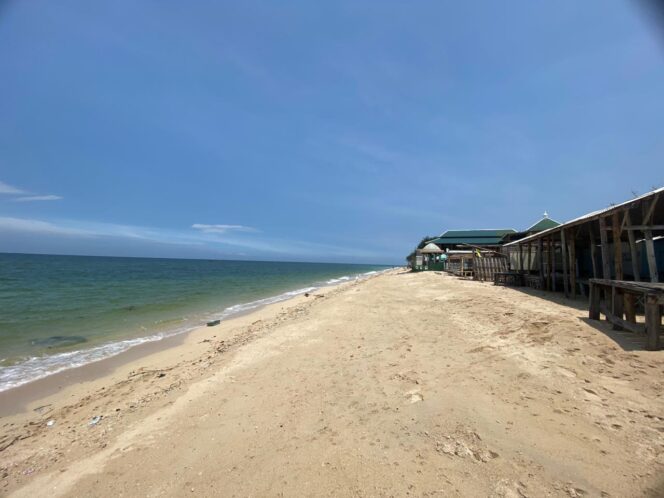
[(58, 312)]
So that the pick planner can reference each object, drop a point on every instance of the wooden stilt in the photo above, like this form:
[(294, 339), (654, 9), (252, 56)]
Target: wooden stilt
[(563, 253), (593, 312), (618, 298), (630, 307), (593, 250), (553, 265), (633, 253), (653, 322), (572, 262), (606, 268), (650, 253), (540, 259)]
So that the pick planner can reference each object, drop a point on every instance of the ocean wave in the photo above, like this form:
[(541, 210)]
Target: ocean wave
[(38, 367)]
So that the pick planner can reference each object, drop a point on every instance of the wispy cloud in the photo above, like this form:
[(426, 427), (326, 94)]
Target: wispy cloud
[(32, 198), (222, 228), (5, 188), (238, 240), (40, 227), (26, 196)]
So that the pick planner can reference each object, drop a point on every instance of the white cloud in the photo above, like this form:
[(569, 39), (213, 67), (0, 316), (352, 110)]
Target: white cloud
[(5, 188), (38, 226), (32, 198), (222, 228)]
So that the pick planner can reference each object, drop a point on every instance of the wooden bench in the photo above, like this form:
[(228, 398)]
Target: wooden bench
[(508, 278), (623, 302)]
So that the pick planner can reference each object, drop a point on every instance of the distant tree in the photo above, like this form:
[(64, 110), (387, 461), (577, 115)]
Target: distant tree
[(424, 241)]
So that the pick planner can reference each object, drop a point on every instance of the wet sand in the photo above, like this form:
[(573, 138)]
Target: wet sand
[(404, 384)]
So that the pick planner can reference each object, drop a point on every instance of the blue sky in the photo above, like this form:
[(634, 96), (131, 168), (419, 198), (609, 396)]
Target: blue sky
[(312, 131)]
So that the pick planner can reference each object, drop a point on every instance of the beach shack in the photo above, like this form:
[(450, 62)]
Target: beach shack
[(433, 257), (614, 256), (474, 253)]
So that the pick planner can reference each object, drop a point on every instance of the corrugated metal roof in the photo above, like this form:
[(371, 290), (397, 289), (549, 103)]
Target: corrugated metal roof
[(482, 232), (543, 224), (468, 240), (587, 217)]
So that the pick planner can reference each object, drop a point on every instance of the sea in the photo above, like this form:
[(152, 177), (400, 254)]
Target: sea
[(61, 312)]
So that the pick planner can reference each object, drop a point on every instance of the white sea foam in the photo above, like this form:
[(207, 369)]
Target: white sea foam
[(38, 367)]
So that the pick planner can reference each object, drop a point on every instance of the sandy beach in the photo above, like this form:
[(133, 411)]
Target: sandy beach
[(405, 384)]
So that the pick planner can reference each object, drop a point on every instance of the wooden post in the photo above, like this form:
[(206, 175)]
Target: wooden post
[(530, 261), (540, 260), (650, 253), (520, 257), (617, 247), (606, 268), (572, 262), (593, 312), (553, 265), (630, 307), (653, 322), (618, 297), (548, 264), (593, 249), (563, 253), (634, 255)]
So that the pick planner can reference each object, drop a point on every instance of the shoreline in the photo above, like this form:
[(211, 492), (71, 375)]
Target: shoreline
[(23, 398), (152, 343)]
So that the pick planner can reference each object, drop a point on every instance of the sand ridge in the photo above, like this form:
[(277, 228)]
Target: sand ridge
[(405, 384)]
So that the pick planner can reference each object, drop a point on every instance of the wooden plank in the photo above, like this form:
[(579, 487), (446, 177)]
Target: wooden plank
[(633, 253), (606, 268), (563, 253), (620, 324), (520, 257), (632, 228), (641, 287), (653, 323), (593, 250), (650, 254), (530, 259)]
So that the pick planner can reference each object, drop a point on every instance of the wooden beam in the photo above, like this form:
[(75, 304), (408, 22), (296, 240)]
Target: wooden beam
[(647, 218), (563, 253), (634, 255), (634, 228), (593, 250), (606, 268)]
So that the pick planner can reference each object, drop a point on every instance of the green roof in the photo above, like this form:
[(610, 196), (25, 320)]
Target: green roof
[(473, 237), (543, 224)]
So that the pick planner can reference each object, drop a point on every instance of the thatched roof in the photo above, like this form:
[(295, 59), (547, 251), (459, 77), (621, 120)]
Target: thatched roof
[(431, 248)]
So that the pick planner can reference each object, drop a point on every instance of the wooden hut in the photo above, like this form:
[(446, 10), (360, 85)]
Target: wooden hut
[(614, 255)]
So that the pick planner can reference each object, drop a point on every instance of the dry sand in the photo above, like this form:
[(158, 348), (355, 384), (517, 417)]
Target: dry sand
[(405, 384)]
